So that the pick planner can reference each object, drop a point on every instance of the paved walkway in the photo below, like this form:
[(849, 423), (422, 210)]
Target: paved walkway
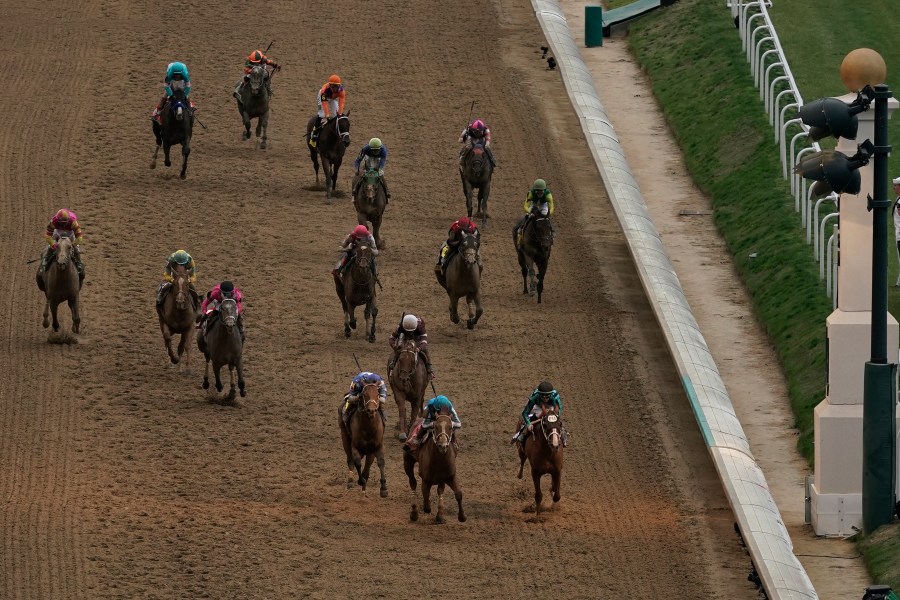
[(746, 360)]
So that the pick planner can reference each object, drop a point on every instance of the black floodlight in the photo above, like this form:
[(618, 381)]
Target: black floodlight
[(832, 117), (835, 171)]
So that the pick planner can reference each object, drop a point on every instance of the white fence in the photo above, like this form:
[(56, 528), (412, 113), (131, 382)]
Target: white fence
[(781, 574), (772, 75)]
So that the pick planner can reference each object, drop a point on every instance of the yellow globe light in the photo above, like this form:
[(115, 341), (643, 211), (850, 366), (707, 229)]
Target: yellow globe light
[(862, 67)]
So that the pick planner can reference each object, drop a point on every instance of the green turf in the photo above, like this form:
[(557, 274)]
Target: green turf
[(692, 53)]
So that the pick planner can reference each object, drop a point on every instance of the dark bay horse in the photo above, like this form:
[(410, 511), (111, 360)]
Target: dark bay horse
[(356, 287), (534, 253), (543, 449), (177, 128), (476, 172), (437, 466), (408, 380), (369, 199), (176, 316), (60, 283), (463, 279), (222, 344), (365, 438), (330, 147), (254, 104)]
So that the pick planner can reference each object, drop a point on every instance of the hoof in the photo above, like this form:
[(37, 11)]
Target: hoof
[(45, 323), (470, 323), (153, 165), (205, 385), (168, 163), (439, 520), (454, 319), (384, 492), (402, 437), (243, 393), (175, 360), (263, 146), (414, 514), (184, 175), (245, 136), (353, 324), (350, 485), (346, 332), (371, 339), (462, 518)]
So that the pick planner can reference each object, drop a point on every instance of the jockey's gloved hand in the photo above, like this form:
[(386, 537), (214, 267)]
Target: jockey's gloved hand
[(381, 172)]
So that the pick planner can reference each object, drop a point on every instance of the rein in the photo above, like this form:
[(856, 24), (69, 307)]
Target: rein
[(406, 375), (363, 402)]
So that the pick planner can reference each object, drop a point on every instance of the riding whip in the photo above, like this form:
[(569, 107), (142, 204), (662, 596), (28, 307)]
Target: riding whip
[(266, 51), (471, 110), (356, 359), (33, 260), (432, 387)]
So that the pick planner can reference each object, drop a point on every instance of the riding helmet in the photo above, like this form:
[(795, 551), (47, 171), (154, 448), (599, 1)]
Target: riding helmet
[(256, 56), (334, 80), (478, 125), (375, 144), (62, 216), (545, 388), (360, 231), (539, 184), (226, 287), (465, 223), (181, 257), (410, 322)]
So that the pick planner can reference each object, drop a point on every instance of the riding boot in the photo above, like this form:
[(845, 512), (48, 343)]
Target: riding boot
[(79, 267), (387, 193), (157, 112), (490, 155), (161, 292), (428, 367)]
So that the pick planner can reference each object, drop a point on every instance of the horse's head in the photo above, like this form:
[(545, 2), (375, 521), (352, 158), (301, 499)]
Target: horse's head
[(543, 232), (551, 428), (363, 257), (65, 249), (408, 361), (178, 105), (468, 248), (443, 431), (180, 287), (369, 400), (342, 125), (228, 313), (477, 158), (258, 76)]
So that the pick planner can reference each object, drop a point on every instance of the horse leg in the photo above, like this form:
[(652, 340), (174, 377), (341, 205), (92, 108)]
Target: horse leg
[(155, 155), (380, 458), (216, 372), (457, 493), (538, 496), (484, 193), (400, 399), (263, 124), (349, 319), (523, 265), (335, 167), (467, 192), (184, 347), (439, 517), (541, 271), (556, 481), (454, 301), (231, 391), (474, 301), (371, 309), (242, 385), (185, 152), (46, 321), (408, 465), (364, 474), (166, 148), (76, 315), (206, 373), (326, 171), (426, 498), (167, 340), (245, 118), (54, 305), (522, 458)]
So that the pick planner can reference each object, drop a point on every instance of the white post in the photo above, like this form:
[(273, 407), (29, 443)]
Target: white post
[(836, 493)]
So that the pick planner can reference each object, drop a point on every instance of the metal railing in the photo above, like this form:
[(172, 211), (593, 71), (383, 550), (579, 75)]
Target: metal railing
[(772, 75)]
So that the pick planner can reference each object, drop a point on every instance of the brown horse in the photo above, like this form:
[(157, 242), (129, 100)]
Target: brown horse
[(543, 449), (534, 252), (60, 283), (176, 316), (365, 438), (408, 380), (437, 466), (356, 287), (463, 279), (369, 198)]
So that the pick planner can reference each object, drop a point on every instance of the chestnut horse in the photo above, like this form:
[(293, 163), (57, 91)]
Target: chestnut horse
[(356, 287), (543, 449), (60, 283), (437, 466), (365, 438), (408, 380), (176, 316)]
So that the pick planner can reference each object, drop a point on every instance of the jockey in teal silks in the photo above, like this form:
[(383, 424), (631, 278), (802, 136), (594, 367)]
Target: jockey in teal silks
[(176, 71)]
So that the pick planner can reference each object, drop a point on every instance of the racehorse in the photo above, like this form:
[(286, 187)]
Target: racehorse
[(463, 279), (543, 449), (437, 466), (177, 127), (222, 344), (60, 283), (254, 104), (330, 147), (534, 252), (369, 198), (355, 287), (476, 172), (176, 316), (408, 380), (365, 438)]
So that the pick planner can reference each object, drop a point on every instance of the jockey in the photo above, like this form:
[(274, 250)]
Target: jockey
[(64, 223), (356, 388), (256, 58), (475, 132), (431, 410), (179, 258), (359, 235), (538, 201), (375, 148), (544, 393), (454, 237), (223, 291), (414, 327), (329, 103), (176, 71)]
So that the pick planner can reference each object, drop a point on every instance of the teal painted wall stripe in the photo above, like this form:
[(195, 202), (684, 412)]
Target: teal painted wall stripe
[(698, 410)]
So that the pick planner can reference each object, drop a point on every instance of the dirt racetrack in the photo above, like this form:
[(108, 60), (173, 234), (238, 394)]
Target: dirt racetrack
[(119, 480)]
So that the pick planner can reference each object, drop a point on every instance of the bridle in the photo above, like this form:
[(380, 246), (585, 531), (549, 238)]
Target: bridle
[(345, 135), (365, 402), (405, 375), (551, 433), (257, 78), (442, 438), (361, 263), (229, 316)]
